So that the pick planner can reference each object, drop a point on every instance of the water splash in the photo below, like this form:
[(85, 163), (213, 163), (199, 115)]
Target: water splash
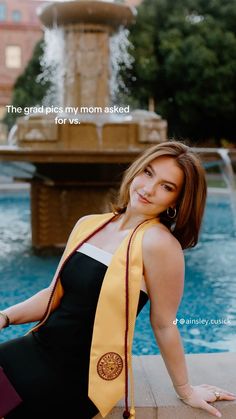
[(53, 66), (228, 171), (120, 58), (228, 175)]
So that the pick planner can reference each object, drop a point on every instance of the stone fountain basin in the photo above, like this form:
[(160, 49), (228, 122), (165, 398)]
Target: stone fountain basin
[(93, 12), (89, 132)]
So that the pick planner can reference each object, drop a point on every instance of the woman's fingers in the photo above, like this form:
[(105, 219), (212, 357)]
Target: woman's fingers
[(211, 409), (226, 396), (224, 392)]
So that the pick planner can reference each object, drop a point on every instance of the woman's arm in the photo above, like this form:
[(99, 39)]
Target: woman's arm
[(164, 274), (33, 308), (27, 311)]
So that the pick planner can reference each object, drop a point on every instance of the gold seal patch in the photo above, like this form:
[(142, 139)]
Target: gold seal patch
[(110, 366)]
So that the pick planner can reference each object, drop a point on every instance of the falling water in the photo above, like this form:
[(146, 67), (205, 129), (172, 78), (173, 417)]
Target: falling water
[(120, 57), (53, 66), (227, 171), (229, 177)]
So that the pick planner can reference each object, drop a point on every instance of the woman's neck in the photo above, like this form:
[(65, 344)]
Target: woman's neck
[(129, 220)]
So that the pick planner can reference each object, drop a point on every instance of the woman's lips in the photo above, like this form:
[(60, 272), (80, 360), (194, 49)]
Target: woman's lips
[(142, 199)]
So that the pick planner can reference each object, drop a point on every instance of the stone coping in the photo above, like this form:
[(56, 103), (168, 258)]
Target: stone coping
[(14, 187), (155, 397)]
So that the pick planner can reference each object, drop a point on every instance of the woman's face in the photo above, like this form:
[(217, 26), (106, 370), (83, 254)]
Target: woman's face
[(157, 187)]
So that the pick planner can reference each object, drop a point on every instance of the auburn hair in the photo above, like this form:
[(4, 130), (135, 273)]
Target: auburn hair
[(192, 199)]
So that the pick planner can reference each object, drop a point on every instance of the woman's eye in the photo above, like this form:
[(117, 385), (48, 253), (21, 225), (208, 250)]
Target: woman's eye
[(148, 172), (167, 188)]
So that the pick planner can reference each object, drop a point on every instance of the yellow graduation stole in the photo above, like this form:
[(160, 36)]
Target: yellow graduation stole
[(111, 348)]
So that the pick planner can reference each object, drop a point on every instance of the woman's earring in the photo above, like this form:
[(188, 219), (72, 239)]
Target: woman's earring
[(171, 212)]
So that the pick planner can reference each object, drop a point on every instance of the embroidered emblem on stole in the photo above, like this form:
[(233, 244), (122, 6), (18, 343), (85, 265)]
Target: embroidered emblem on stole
[(110, 366)]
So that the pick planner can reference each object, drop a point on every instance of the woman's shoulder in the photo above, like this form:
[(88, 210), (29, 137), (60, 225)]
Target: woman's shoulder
[(159, 238)]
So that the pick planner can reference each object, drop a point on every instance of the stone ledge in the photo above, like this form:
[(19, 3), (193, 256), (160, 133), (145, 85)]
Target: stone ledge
[(14, 186), (154, 394)]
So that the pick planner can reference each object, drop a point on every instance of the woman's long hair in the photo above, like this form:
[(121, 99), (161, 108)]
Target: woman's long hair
[(191, 202)]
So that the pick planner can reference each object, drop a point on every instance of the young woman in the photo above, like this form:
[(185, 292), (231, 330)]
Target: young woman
[(77, 360)]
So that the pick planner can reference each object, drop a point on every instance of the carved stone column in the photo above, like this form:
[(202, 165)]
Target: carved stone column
[(86, 56)]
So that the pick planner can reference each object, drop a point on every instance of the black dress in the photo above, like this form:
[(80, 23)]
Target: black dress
[(49, 368)]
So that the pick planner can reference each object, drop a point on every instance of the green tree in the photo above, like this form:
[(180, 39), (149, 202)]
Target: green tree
[(28, 91), (185, 58)]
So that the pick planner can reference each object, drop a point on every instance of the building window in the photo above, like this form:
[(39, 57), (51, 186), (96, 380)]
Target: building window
[(16, 16), (3, 12), (13, 56)]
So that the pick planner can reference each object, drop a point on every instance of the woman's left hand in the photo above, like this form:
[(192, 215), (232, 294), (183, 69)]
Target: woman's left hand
[(204, 394)]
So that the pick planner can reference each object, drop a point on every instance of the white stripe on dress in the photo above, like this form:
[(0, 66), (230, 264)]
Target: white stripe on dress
[(96, 253), (102, 256)]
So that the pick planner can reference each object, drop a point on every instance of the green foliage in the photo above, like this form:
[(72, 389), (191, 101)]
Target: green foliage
[(185, 58), (27, 90)]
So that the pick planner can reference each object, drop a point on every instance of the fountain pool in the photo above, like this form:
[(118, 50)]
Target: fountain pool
[(210, 287)]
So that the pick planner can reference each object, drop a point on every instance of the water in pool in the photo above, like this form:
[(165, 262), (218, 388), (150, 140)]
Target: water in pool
[(207, 314)]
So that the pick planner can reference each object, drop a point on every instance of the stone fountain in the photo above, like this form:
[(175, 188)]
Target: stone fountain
[(78, 163)]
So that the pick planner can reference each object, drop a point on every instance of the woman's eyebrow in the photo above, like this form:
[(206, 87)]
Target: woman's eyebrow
[(165, 180)]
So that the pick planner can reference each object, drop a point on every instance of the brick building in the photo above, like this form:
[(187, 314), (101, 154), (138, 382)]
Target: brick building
[(20, 30)]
